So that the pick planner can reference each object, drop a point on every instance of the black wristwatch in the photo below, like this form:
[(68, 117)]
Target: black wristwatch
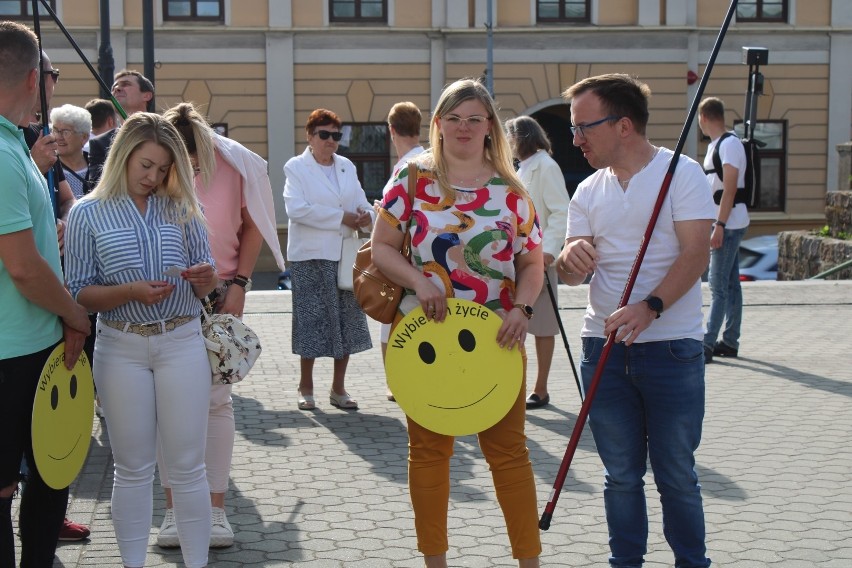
[(655, 304), (527, 310), (243, 282)]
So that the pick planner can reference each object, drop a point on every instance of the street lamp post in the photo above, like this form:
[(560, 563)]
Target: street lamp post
[(489, 57), (148, 44), (106, 63)]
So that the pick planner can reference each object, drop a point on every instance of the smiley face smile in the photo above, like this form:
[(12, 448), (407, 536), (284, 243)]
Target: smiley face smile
[(465, 405)]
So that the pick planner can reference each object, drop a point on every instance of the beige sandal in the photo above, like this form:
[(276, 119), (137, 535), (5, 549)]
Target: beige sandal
[(306, 401), (343, 401)]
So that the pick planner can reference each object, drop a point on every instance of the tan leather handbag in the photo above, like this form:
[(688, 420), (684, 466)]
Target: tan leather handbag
[(377, 295)]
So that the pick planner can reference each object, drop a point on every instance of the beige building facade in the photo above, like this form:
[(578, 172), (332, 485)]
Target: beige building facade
[(259, 67)]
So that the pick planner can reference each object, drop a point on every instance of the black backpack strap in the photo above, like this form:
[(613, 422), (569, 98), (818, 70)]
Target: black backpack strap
[(717, 160), (87, 185)]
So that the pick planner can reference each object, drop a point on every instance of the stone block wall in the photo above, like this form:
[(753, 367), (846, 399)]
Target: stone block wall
[(844, 170), (838, 212), (802, 254)]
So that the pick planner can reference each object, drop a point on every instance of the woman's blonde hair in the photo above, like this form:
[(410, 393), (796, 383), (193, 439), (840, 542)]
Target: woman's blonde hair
[(498, 155), (144, 127), (197, 135)]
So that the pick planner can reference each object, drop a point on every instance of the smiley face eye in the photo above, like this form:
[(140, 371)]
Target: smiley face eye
[(467, 340), (54, 397), (427, 352), (73, 387)]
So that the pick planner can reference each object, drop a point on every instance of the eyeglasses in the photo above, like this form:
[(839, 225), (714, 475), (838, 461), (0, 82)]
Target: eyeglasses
[(472, 121), (52, 72), (325, 134), (62, 132), (580, 129)]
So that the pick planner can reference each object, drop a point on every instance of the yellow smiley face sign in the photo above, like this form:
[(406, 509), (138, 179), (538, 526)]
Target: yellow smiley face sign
[(452, 377), (62, 418)]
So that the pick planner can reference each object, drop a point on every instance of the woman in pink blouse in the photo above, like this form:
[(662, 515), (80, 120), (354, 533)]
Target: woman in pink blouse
[(232, 184)]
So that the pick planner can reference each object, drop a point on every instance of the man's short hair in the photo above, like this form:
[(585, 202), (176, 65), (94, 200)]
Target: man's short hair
[(19, 53), (101, 110), (712, 108), (405, 118), (620, 94)]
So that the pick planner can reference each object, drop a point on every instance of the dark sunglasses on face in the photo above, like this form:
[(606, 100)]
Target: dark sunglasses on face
[(52, 72), (324, 134)]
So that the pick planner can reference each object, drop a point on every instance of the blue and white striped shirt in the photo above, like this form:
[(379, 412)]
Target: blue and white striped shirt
[(109, 242)]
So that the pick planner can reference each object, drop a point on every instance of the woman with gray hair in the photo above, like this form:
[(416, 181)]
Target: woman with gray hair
[(71, 126), (545, 183)]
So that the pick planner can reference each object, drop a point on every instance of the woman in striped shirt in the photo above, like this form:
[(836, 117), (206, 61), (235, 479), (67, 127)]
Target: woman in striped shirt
[(137, 253)]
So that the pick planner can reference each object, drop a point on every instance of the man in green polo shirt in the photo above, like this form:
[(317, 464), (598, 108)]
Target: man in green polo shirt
[(36, 311)]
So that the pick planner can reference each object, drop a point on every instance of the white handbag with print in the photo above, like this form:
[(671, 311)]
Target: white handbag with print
[(232, 347)]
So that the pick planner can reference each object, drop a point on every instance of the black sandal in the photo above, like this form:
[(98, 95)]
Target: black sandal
[(535, 401)]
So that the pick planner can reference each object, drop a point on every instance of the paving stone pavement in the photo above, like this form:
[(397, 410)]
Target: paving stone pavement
[(328, 488)]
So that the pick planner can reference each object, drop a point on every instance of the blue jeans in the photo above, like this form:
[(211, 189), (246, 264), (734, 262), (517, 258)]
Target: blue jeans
[(649, 402), (727, 302)]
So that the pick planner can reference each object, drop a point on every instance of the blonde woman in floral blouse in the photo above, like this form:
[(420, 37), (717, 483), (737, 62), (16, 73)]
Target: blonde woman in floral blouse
[(474, 236)]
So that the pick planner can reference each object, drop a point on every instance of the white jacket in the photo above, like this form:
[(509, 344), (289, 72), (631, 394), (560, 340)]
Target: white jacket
[(545, 183), (257, 189), (315, 207)]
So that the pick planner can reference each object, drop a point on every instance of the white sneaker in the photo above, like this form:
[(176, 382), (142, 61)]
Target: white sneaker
[(168, 535), (221, 534), (98, 408)]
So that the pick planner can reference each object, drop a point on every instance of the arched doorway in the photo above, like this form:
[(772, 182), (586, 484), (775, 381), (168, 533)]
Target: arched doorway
[(556, 122)]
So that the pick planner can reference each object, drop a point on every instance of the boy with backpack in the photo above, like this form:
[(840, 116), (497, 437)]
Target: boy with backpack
[(731, 224)]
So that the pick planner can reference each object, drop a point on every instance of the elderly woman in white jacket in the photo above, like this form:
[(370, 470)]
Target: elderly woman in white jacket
[(546, 185), (325, 202)]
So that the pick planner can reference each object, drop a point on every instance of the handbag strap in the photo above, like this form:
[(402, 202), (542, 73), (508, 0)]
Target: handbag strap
[(412, 183), (413, 170)]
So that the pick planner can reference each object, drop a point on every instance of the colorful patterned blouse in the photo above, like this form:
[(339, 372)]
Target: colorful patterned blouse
[(466, 244)]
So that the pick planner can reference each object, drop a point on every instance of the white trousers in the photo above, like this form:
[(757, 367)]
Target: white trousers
[(221, 429), (150, 385)]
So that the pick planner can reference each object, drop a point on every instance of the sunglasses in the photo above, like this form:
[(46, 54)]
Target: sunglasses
[(52, 72), (324, 135)]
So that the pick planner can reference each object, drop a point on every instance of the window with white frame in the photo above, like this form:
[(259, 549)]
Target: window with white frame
[(772, 193), (194, 11), (358, 11), (22, 9), (367, 144), (762, 11), (548, 11)]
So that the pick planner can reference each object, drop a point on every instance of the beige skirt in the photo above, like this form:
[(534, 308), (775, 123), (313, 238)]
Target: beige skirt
[(544, 321)]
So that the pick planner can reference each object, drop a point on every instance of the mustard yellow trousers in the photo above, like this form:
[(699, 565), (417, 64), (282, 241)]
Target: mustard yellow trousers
[(505, 450)]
